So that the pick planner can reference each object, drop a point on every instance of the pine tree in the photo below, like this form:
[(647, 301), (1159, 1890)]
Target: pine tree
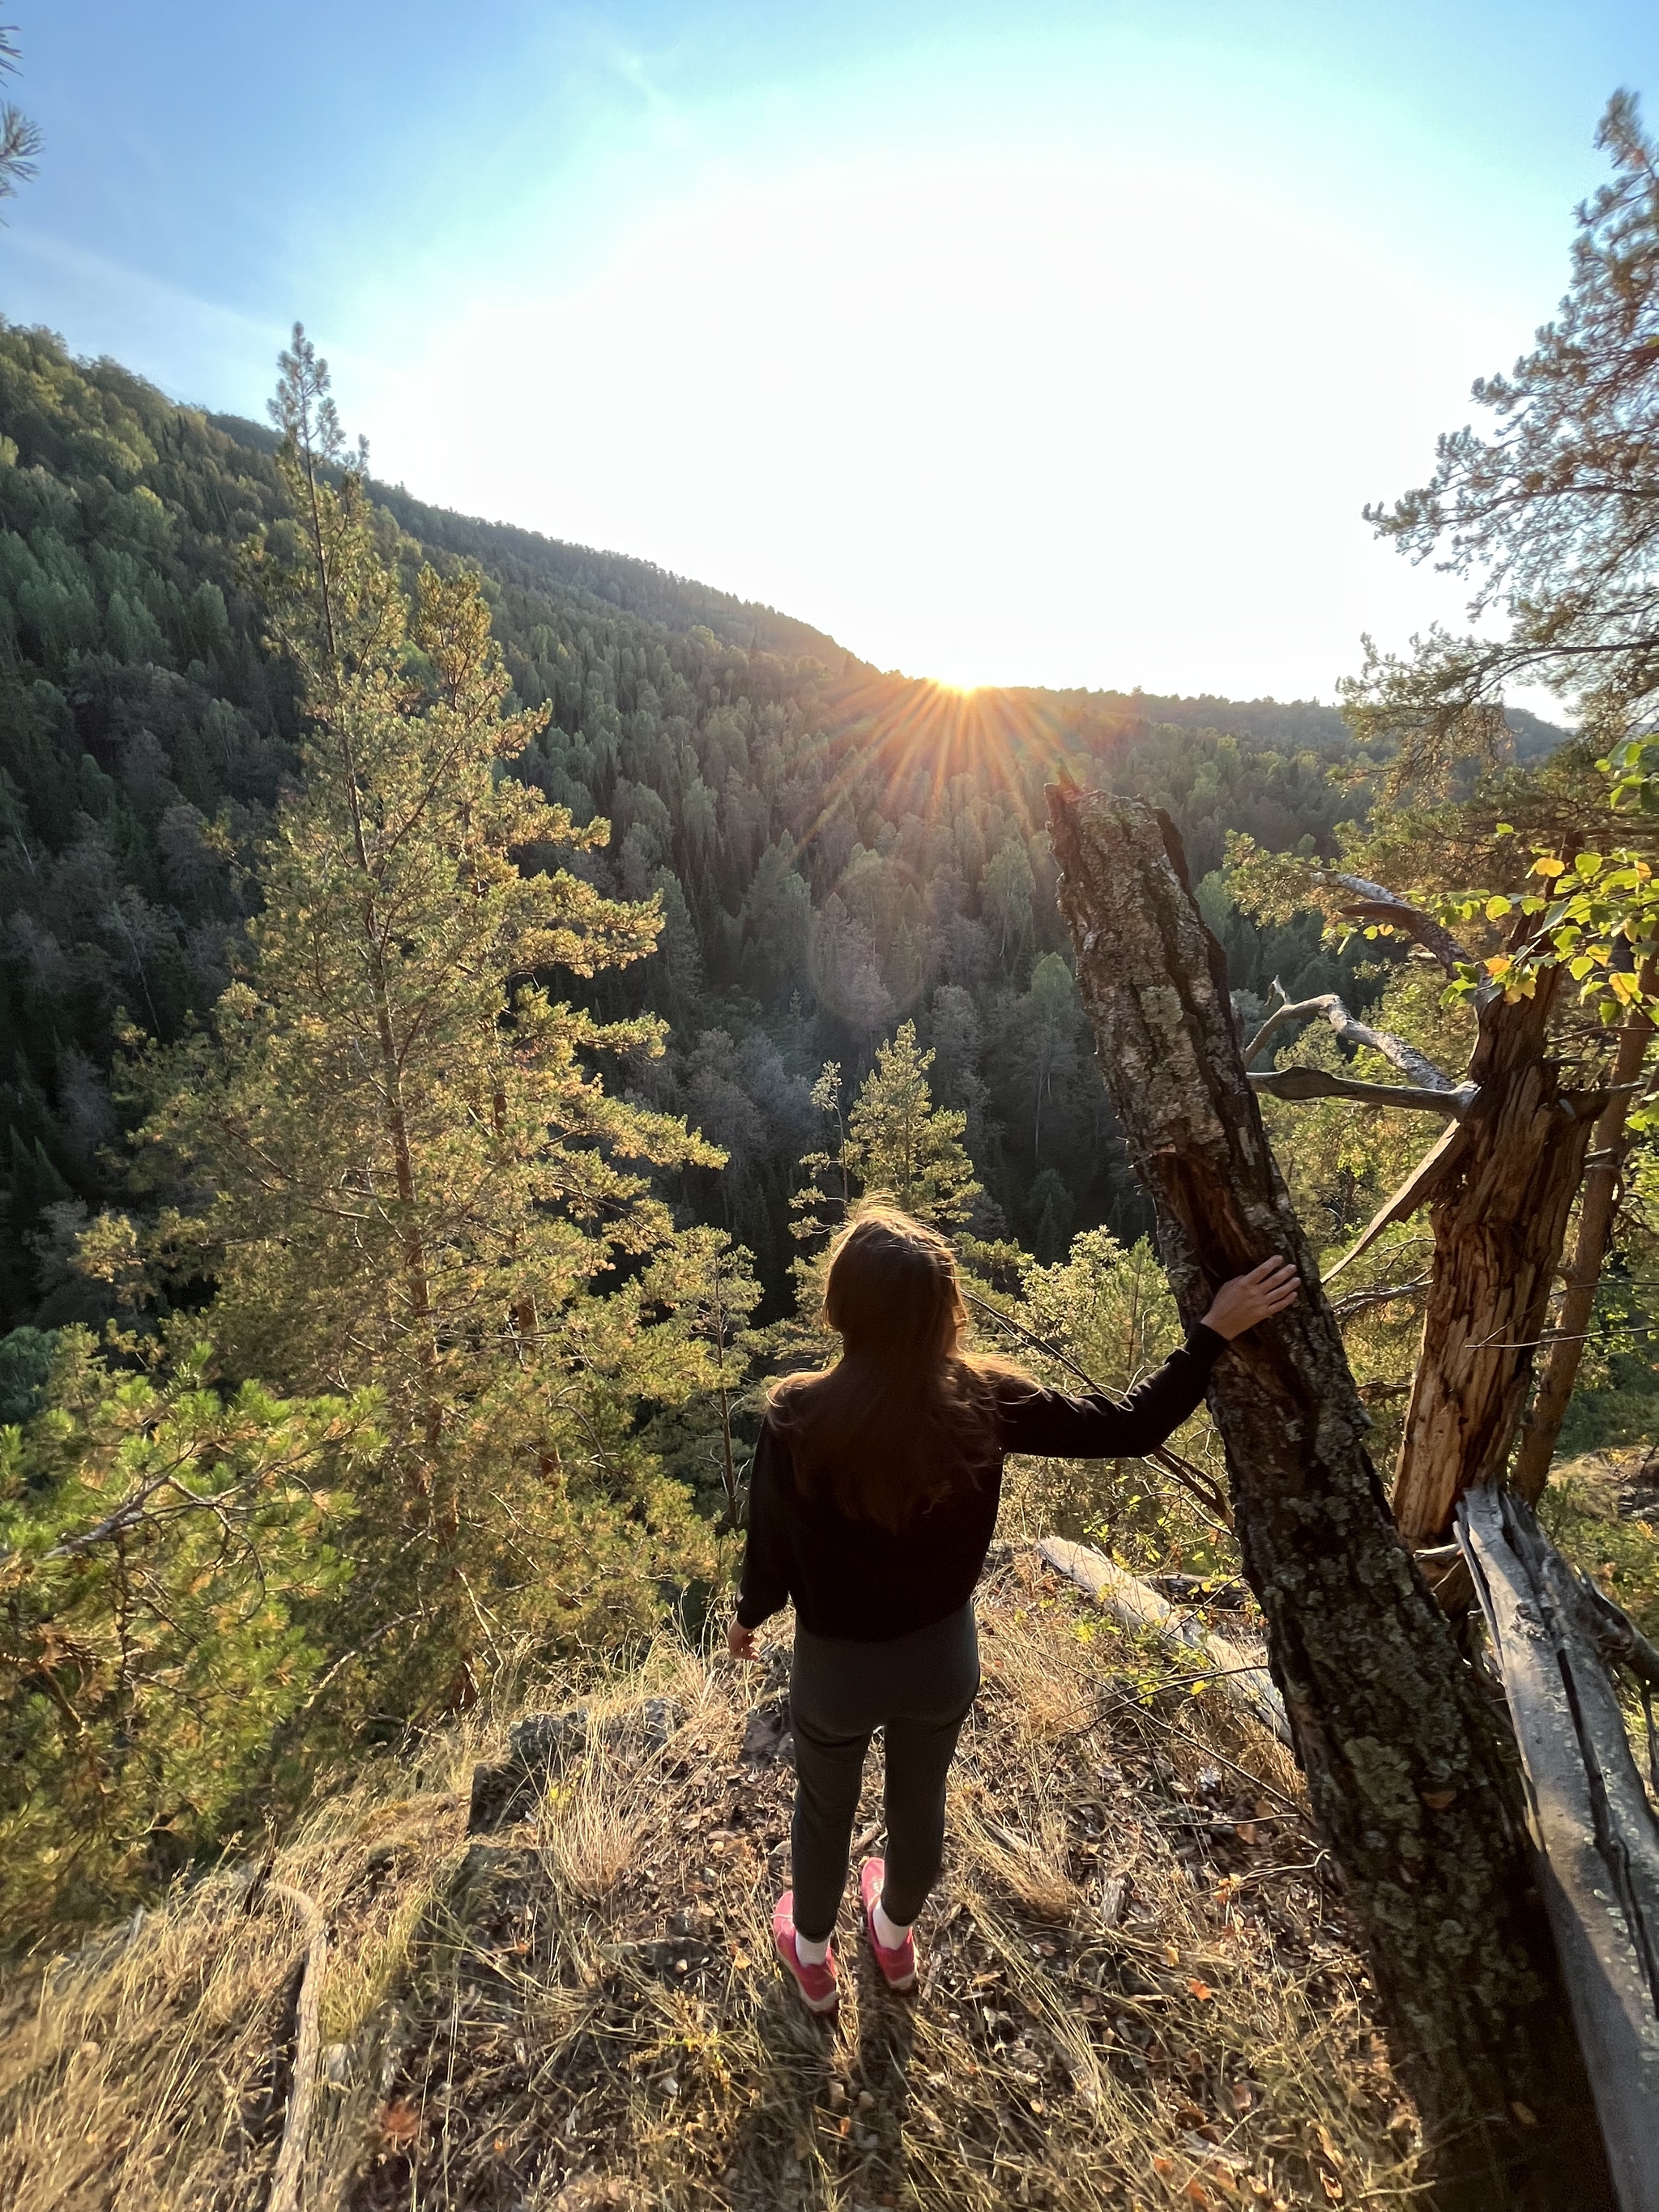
[(167, 1552), (416, 1178), (901, 1146), (893, 1144), (699, 1439), (19, 138)]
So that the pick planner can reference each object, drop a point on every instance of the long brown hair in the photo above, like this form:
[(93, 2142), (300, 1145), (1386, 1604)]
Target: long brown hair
[(904, 1416)]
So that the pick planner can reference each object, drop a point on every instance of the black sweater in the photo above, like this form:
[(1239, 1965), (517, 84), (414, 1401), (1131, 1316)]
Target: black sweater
[(857, 1580)]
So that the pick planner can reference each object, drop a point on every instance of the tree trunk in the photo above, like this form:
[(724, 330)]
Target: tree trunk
[(1607, 1149), (1500, 1219), (1409, 1772)]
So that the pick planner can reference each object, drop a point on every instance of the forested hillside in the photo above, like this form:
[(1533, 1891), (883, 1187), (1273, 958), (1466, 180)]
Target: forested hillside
[(835, 849)]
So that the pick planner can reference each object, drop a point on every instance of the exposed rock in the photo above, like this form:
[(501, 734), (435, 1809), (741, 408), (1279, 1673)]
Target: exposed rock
[(502, 1791), (764, 1733), (661, 1718), (540, 1743)]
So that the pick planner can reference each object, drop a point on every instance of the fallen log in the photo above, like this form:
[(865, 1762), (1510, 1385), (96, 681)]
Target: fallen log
[(1591, 1821), (1136, 1604), (307, 2046), (1409, 1772)]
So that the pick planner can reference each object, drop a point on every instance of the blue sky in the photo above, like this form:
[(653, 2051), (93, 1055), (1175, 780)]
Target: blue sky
[(1050, 344)]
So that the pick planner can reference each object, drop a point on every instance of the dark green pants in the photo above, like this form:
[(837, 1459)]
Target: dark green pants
[(917, 1691)]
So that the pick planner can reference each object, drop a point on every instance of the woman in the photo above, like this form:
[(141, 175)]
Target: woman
[(872, 1501)]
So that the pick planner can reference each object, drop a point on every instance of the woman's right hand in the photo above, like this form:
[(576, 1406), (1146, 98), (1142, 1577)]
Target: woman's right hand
[(740, 1641), (1247, 1299)]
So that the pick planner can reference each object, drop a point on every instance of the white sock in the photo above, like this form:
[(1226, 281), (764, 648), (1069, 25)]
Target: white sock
[(809, 1952), (888, 1934)]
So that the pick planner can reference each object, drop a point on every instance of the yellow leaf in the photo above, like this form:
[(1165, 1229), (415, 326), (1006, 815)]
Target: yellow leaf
[(1499, 964), (1546, 865), (1497, 906)]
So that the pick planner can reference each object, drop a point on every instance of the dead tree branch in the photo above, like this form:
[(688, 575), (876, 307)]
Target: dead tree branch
[(1328, 1007), (1594, 1827), (1376, 902), (1382, 1294), (307, 2046), (1299, 1083), (1616, 1634), (1199, 1486)]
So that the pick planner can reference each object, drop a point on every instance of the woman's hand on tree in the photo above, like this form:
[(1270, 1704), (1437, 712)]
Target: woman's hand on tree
[(740, 1641), (1247, 1299)]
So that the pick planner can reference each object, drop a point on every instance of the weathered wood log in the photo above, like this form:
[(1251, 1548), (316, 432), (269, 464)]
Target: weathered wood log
[(307, 2046), (1590, 1819), (1409, 1773), (1499, 1218), (1370, 901), (1134, 1604)]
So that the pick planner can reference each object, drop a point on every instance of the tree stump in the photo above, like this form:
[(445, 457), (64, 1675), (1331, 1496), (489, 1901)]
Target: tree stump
[(1410, 1772)]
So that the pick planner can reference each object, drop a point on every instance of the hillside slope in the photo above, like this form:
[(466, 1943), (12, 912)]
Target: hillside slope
[(1136, 1990), (614, 581), (834, 849)]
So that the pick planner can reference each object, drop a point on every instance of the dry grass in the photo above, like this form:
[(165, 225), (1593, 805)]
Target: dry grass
[(1135, 1990)]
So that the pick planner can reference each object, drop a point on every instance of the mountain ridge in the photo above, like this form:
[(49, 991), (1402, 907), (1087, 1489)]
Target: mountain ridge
[(835, 849), (599, 571)]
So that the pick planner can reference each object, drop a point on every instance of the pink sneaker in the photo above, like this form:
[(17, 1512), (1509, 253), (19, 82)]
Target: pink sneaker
[(817, 1984), (898, 1967)]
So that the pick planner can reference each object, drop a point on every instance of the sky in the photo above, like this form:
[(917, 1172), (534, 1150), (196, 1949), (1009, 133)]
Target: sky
[(1052, 343)]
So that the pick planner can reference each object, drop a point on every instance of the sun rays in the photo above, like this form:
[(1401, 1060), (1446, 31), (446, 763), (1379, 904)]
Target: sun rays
[(911, 739)]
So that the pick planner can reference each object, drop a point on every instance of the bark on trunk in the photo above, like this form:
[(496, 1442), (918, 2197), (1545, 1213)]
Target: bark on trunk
[(1408, 1770), (1499, 1221), (1608, 1147)]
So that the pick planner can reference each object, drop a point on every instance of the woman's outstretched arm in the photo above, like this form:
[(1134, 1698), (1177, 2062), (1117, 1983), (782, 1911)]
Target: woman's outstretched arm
[(1051, 1425)]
